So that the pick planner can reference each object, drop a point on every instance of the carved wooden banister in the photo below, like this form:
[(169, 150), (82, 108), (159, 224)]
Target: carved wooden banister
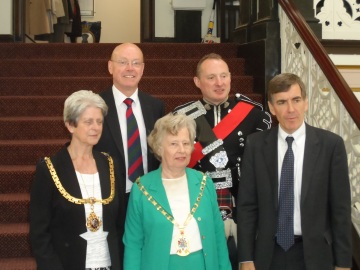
[(334, 77)]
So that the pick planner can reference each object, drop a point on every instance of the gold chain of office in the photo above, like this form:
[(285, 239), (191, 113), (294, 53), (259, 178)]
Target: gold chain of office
[(90, 200), (163, 211)]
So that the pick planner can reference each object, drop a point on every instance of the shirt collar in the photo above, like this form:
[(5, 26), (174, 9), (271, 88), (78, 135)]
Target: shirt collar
[(296, 135), (121, 97)]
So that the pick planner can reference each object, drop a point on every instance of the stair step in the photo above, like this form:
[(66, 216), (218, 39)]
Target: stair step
[(18, 263), (14, 207), (27, 152), (16, 179), (29, 128), (31, 106), (14, 240), (64, 68), (104, 50), (39, 105), (39, 86)]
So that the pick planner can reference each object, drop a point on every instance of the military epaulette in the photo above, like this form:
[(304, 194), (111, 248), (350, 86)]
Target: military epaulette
[(193, 109), (182, 106), (243, 98)]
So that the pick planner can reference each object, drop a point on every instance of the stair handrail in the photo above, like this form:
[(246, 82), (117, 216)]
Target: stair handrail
[(332, 104), (334, 77)]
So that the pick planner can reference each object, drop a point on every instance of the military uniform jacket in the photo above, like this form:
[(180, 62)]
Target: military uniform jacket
[(233, 144)]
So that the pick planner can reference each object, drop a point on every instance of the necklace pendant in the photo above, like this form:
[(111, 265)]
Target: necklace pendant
[(183, 244), (93, 222)]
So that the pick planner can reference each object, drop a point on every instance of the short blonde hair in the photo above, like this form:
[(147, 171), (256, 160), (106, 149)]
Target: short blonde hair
[(211, 56), (170, 124), (80, 100)]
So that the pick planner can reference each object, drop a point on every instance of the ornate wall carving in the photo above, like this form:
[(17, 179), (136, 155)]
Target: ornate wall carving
[(325, 108), (339, 18)]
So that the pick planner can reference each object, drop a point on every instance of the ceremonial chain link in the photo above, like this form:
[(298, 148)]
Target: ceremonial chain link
[(163, 211), (87, 200)]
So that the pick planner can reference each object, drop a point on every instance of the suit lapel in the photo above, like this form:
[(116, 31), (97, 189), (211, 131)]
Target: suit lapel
[(311, 153), (157, 191), (67, 175), (112, 120), (271, 159), (147, 112), (193, 186), (104, 175)]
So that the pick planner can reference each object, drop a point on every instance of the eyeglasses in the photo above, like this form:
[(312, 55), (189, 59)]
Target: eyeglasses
[(124, 63)]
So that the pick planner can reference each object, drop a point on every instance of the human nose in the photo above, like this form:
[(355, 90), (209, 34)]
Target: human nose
[(290, 107), (129, 65), (96, 125), (181, 148), (218, 80)]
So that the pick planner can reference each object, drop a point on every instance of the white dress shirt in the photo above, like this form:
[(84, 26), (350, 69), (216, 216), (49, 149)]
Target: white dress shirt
[(121, 112)]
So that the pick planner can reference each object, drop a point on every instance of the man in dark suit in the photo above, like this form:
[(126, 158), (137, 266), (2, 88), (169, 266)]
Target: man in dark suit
[(320, 219), (126, 67)]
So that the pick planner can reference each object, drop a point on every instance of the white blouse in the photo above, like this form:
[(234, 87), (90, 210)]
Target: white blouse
[(97, 251), (177, 193)]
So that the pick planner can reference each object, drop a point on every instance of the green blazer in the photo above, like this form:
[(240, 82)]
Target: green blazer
[(148, 233)]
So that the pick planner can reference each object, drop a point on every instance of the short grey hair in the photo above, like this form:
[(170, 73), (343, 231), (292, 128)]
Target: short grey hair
[(80, 100), (170, 124)]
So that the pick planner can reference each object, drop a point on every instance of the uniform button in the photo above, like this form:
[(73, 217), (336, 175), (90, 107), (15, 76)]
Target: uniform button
[(239, 159), (199, 218), (241, 145), (239, 133), (203, 237), (205, 254)]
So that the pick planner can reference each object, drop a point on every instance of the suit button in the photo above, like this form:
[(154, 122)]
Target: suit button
[(199, 218)]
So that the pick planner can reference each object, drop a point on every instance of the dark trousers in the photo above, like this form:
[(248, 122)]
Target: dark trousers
[(293, 259)]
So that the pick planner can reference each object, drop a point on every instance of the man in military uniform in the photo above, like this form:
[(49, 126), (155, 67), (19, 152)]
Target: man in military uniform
[(222, 126)]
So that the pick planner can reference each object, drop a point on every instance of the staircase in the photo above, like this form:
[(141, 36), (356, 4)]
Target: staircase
[(35, 79)]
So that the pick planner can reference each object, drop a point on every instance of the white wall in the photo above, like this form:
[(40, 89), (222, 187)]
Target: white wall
[(349, 68), (6, 13), (120, 20), (164, 19)]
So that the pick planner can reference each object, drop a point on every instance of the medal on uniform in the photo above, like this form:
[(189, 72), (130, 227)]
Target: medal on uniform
[(183, 248)]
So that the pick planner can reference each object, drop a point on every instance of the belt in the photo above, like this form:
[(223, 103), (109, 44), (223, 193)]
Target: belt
[(297, 239)]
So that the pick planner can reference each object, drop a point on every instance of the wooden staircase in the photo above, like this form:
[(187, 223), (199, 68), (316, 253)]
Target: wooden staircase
[(35, 79)]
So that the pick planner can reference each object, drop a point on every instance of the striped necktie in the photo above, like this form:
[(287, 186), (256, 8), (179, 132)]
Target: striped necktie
[(135, 163), (285, 228)]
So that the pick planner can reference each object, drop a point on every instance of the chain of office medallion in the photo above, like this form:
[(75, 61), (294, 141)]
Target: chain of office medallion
[(162, 210), (72, 199)]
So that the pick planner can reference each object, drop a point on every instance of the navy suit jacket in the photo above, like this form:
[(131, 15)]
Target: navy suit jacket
[(324, 203), (111, 140)]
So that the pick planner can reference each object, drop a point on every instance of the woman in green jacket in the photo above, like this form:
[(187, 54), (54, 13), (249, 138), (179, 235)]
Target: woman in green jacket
[(173, 219)]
